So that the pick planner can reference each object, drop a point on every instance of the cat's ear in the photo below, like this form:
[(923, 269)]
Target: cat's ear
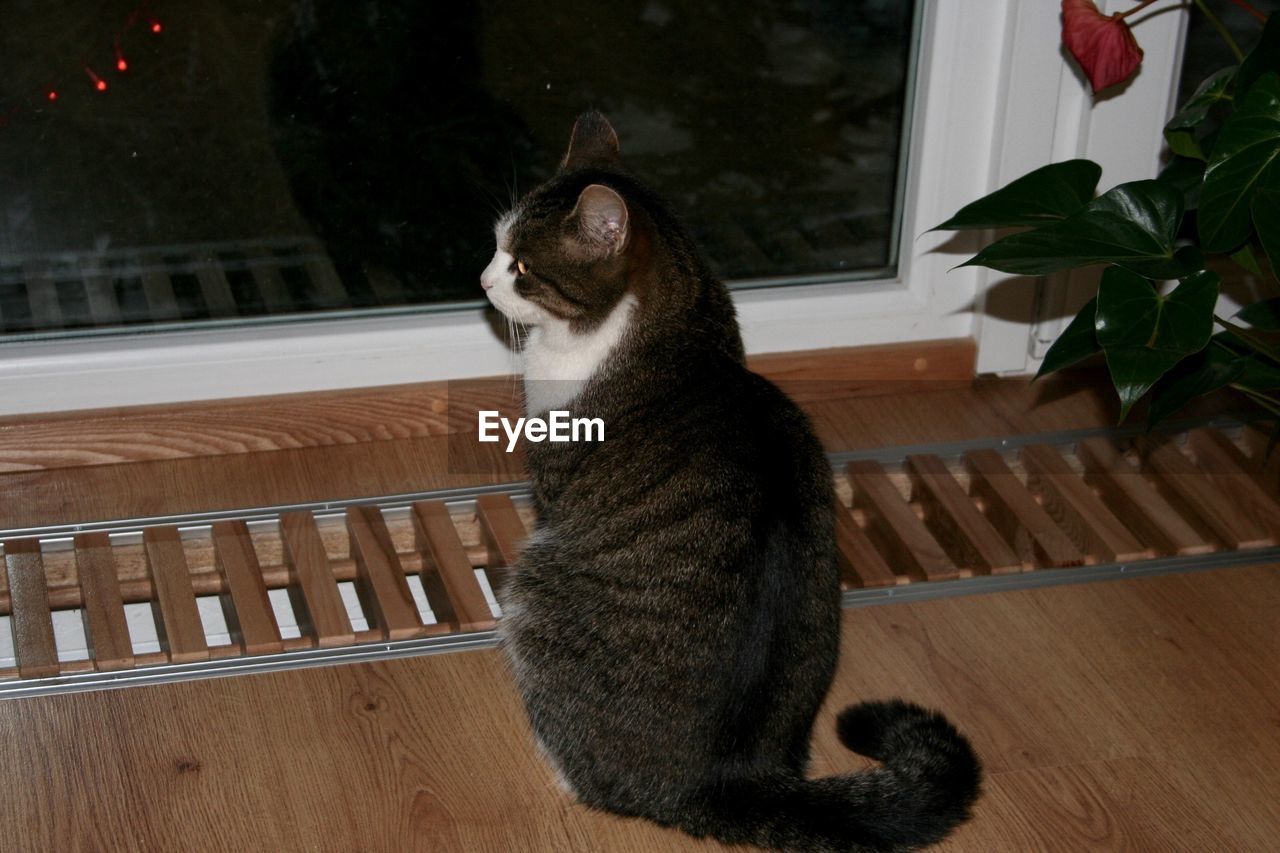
[(601, 219), (593, 143)]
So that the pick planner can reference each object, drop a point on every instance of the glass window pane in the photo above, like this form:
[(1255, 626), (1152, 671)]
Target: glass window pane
[(1207, 52), (240, 160)]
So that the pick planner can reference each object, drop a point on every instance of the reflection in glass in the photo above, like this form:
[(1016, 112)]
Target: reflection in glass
[(238, 159)]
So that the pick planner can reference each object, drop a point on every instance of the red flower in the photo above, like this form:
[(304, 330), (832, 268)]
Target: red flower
[(1103, 45)]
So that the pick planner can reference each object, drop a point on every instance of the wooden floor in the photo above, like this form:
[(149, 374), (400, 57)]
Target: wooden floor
[(1141, 714), (1136, 715)]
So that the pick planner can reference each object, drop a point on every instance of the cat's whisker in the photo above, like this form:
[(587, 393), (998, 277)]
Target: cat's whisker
[(513, 366), (486, 194), (511, 347)]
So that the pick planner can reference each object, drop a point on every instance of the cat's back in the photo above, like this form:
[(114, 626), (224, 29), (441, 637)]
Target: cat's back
[(687, 558), (706, 432)]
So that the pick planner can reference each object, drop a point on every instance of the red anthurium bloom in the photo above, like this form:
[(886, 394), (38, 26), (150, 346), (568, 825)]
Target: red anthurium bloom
[(1103, 45)]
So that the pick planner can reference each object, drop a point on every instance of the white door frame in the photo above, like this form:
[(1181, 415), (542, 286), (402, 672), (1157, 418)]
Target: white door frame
[(1051, 116)]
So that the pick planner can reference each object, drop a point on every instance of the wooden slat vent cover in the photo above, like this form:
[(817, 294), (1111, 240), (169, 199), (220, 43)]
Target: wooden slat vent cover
[(374, 574), (206, 591)]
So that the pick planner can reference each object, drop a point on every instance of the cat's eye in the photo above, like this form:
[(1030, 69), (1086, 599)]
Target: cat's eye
[(521, 268)]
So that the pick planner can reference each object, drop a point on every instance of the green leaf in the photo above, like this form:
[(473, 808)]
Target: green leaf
[(1209, 93), (1266, 220), (1244, 257), (1132, 225), (1187, 175), (1259, 374), (1260, 371), (1144, 334), (1049, 193), (1133, 372), (1209, 142), (1183, 132), (1259, 340), (1190, 258), (1264, 57), (1077, 342), (1268, 402), (1132, 313), (1245, 158), (1209, 370), (1263, 314), (1184, 144)]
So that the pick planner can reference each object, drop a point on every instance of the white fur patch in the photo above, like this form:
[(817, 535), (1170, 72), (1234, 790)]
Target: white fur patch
[(502, 228), (558, 362)]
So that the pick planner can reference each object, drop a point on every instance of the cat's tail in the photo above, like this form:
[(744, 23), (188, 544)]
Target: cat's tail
[(928, 780)]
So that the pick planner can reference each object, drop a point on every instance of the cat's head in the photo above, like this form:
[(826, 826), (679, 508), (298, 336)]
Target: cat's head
[(564, 252)]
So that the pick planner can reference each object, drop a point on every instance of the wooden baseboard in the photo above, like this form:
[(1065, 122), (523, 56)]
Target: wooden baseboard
[(253, 424), (840, 373)]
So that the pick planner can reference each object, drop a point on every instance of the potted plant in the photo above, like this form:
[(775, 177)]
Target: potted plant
[(1217, 200)]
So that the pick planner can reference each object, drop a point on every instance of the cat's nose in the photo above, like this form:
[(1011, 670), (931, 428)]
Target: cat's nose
[(484, 282)]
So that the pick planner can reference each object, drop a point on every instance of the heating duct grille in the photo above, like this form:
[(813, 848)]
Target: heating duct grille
[(136, 601)]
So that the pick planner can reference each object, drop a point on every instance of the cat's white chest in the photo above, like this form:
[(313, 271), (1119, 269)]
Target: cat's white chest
[(557, 362)]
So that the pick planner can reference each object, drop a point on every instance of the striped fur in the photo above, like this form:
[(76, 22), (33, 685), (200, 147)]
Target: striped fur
[(673, 625)]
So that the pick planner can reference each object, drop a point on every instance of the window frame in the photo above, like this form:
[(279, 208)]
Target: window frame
[(993, 100)]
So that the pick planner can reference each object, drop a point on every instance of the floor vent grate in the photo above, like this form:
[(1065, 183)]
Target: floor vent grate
[(135, 601)]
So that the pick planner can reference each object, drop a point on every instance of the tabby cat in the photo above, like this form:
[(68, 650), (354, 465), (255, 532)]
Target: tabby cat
[(673, 621)]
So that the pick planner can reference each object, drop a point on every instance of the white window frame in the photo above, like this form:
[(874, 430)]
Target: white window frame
[(994, 99)]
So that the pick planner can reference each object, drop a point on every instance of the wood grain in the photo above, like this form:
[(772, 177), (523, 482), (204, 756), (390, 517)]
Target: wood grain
[(1137, 502), (31, 443), (843, 372), (245, 603), (860, 563), (1197, 497), (388, 465), (447, 574), (895, 527), (207, 579), (383, 591), (1228, 469), (1014, 512), (177, 619), (317, 602), (1106, 720), (102, 612), (1077, 509), (1264, 456), (32, 624), (1137, 714), (956, 521), (504, 534)]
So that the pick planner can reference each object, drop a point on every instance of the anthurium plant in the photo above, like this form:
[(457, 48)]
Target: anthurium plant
[(1216, 202)]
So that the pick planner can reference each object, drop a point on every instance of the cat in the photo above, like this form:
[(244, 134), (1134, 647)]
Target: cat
[(673, 622)]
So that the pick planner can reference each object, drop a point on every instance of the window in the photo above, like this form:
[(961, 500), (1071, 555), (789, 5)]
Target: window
[(811, 143), (1206, 52), (234, 161)]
